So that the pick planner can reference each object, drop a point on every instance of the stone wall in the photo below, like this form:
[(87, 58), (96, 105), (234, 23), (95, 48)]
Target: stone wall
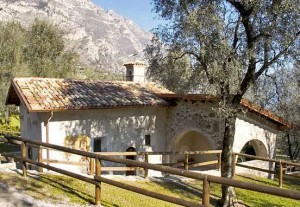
[(194, 116)]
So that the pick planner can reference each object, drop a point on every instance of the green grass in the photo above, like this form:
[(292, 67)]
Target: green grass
[(254, 199), (13, 127), (60, 188)]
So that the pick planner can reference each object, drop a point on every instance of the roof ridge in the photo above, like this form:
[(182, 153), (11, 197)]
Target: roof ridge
[(84, 80)]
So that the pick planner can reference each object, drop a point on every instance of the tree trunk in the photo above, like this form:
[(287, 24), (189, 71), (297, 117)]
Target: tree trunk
[(228, 193)]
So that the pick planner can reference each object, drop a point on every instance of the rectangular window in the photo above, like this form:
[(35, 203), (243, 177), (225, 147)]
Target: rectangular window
[(147, 140), (97, 145)]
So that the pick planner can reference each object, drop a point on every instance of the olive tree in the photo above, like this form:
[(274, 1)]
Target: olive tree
[(45, 51), (12, 37), (39, 50), (224, 46)]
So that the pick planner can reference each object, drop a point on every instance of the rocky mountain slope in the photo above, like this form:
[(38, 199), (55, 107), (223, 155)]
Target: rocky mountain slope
[(103, 39)]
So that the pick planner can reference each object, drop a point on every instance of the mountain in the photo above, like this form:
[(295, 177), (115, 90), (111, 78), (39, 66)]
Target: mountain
[(103, 39)]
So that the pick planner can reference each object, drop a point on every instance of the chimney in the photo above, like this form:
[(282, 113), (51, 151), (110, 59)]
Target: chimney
[(135, 72)]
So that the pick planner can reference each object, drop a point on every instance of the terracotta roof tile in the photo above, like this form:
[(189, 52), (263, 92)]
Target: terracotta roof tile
[(46, 94)]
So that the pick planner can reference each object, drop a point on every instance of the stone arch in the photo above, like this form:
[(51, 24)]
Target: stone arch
[(193, 140), (257, 146)]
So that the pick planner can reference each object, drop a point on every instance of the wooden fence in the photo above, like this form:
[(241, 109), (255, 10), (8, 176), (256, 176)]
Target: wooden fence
[(186, 163), (283, 165), (98, 178)]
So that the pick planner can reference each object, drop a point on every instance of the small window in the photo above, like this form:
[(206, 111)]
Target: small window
[(147, 140), (97, 145)]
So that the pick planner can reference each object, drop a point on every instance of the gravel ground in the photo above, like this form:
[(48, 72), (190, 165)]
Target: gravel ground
[(12, 197)]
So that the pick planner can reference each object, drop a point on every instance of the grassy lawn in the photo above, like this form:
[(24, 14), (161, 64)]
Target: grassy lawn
[(60, 188)]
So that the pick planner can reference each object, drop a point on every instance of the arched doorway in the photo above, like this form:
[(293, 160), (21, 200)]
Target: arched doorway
[(194, 141), (253, 147), (130, 157)]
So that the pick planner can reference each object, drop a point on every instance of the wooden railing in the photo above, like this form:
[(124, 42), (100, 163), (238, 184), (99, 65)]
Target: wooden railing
[(283, 165), (186, 164), (98, 178)]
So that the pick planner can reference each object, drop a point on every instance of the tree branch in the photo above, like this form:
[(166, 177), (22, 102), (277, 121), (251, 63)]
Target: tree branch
[(275, 58), (200, 60), (183, 4), (235, 36), (245, 19)]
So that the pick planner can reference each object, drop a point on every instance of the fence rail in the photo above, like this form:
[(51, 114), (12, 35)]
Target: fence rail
[(186, 164), (281, 163), (98, 178)]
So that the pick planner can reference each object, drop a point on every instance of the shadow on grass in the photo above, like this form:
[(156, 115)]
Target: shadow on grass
[(292, 180), (57, 185), (259, 181), (63, 187), (186, 190)]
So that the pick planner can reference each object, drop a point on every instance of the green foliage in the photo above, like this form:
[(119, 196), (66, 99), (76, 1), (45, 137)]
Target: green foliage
[(92, 74), (11, 125), (12, 37), (37, 51), (45, 51), (277, 90), (226, 45), (223, 47)]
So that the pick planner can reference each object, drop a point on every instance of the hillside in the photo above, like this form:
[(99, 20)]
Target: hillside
[(103, 39)]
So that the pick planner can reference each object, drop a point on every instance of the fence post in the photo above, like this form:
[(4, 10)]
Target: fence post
[(146, 170), (92, 166), (98, 187), (219, 160), (206, 192), (280, 174), (233, 164), (186, 161), (40, 159), (24, 166)]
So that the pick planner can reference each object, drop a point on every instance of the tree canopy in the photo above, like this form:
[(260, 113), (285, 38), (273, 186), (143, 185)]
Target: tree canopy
[(37, 51), (223, 47)]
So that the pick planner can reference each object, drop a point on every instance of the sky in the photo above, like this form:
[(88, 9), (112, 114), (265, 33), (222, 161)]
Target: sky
[(137, 10)]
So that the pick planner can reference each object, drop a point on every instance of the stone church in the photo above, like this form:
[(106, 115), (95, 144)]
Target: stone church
[(132, 115)]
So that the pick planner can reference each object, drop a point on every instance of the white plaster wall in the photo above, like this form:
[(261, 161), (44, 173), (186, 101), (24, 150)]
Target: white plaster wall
[(118, 129), (139, 73), (251, 128), (31, 124), (255, 163)]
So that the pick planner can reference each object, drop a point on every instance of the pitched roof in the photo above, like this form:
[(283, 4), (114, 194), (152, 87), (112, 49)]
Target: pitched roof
[(48, 94)]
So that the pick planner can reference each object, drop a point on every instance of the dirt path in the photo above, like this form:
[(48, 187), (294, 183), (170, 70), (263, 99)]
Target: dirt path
[(10, 197)]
